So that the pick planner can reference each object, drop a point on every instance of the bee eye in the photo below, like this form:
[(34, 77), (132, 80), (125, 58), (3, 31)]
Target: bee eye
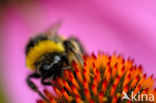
[(57, 59)]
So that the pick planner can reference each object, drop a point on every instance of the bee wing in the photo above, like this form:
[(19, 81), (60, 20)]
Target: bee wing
[(77, 45), (75, 49), (53, 29), (52, 32)]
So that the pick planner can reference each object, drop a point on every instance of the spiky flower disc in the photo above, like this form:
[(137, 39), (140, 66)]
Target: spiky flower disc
[(103, 78)]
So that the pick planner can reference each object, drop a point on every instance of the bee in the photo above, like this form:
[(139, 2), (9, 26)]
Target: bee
[(48, 54)]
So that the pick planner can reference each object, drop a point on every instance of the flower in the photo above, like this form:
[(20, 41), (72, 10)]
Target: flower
[(127, 26), (103, 78)]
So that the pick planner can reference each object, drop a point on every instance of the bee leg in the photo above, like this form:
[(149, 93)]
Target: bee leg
[(33, 86), (66, 68), (46, 83), (68, 46), (71, 48)]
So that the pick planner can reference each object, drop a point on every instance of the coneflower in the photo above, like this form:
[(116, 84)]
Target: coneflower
[(102, 79)]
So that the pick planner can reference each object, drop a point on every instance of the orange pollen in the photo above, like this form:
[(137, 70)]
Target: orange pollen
[(115, 98), (125, 89), (67, 86), (98, 75), (137, 89), (127, 79), (66, 95), (78, 75), (87, 94), (147, 81), (86, 75), (113, 89), (95, 81), (57, 91), (104, 86), (142, 79), (145, 91), (78, 99), (122, 71), (85, 84), (66, 72), (155, 91), (91, 101), (107, 69), (74, 82), (94, 69), (52, 100), (134, 82), (59, 81), (94, 89), (114, 71), (101, 97), (85, 64), (75, 91), (117, 80), (108, 75), (94, 57)]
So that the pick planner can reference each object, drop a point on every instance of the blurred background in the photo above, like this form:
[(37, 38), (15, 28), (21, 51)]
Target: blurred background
[(127, 27)]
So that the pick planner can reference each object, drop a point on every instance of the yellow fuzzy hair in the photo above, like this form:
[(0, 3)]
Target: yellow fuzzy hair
[(40, 49)]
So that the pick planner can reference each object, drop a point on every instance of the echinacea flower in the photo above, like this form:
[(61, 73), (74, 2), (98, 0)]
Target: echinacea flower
[(103, 78)]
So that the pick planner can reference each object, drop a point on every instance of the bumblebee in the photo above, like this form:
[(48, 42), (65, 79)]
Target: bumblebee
[(48, 54)]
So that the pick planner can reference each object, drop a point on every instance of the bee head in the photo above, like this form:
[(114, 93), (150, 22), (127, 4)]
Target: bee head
[(51, 64)]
